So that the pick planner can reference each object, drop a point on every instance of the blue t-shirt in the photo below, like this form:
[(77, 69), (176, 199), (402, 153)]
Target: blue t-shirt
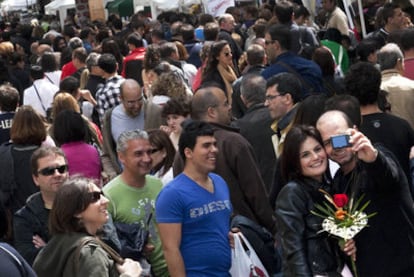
[(205, 219)]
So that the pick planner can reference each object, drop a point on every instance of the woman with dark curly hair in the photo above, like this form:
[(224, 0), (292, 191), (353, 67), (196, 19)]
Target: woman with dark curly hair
[(59, 43), (175, 113)]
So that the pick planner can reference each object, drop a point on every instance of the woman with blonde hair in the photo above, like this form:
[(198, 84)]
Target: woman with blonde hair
[(65, 101), (168, 86)]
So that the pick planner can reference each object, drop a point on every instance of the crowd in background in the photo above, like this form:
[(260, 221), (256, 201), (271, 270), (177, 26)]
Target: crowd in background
[(109, 101)]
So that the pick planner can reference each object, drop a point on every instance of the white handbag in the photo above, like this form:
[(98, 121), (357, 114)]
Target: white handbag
[(244, 260)]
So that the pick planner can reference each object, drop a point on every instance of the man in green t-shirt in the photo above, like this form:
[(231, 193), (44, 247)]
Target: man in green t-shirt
[(132, 194)]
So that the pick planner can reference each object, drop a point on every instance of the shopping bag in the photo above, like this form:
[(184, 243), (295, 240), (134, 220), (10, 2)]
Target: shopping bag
[(244, 260)]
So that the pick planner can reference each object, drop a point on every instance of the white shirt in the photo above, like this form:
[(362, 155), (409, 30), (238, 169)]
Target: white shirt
[(46, 91), (53, 77)]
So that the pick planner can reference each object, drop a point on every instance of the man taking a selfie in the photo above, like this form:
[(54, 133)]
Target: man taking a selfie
[(386, 247)]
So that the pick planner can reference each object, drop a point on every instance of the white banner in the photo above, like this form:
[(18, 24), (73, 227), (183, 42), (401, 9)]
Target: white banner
[(217, 7)]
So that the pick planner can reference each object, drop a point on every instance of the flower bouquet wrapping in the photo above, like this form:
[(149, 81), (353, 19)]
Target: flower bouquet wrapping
[(343, 217)]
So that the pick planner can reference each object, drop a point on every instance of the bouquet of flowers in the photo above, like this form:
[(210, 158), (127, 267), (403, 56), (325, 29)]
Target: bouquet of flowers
[(343, 217)]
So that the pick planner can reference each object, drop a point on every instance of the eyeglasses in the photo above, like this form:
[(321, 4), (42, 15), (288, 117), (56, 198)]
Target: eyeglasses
[(227, 54), (271, 97), (267, 42), (48, 171), (95, 196)]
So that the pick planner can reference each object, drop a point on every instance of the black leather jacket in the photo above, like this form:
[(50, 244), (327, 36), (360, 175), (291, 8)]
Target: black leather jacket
[(306, 251)]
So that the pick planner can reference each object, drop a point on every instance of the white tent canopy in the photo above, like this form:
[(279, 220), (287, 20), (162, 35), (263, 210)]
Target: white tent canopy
[(15, 5), (58, 5), (61, 6), (166, 5)]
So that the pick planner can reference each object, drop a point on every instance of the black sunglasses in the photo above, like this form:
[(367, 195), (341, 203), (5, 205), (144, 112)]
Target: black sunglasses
[(95, 196), (48, 171)]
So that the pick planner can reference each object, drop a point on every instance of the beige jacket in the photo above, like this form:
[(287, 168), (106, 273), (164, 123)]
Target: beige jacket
[(400, 94)]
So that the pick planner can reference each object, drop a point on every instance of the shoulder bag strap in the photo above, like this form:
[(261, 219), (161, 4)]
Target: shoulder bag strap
[(85, 240), (50, 80), (40, 99)]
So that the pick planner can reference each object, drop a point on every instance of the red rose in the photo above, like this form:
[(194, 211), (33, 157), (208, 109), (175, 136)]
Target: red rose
[(340, 200)]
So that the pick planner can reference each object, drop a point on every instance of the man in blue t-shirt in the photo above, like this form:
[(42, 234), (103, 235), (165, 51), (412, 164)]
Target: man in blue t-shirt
[(193, 211)]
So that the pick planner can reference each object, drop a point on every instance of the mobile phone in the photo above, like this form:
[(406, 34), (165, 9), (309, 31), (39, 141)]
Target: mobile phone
[(340, 141)]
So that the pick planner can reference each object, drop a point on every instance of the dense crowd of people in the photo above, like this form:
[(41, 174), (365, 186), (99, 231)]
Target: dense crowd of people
[(128, 148)]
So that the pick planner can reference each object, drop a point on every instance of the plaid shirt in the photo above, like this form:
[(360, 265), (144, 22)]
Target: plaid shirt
[(107, 95)]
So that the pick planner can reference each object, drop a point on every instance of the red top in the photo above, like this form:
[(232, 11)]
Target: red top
[(67, 70), (136, 54)]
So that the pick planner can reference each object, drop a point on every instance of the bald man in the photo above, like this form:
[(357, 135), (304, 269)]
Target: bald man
[(134, 112), (386, 247)]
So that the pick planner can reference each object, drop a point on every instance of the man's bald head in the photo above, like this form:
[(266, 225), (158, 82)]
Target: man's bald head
[(131, 97), (130, 84), (210, 104), (334, 117)]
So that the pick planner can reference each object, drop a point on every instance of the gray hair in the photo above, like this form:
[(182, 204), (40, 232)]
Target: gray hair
[(253, 88), (122, 143), (92, 60), (389, 55), (74, 43)]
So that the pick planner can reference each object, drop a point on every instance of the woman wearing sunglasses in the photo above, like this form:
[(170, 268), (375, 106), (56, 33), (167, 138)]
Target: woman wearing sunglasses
[(220, 67), (163, 154), (78, 214)]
